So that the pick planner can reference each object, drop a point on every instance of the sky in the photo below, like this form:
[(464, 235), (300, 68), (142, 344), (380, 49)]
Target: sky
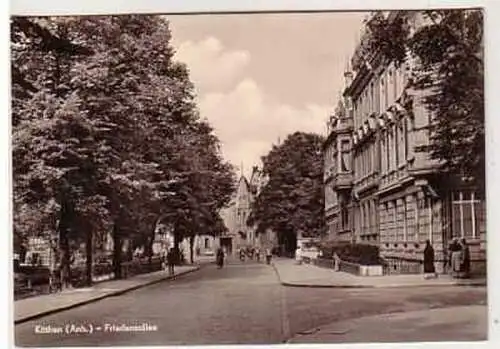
[(260, 77)]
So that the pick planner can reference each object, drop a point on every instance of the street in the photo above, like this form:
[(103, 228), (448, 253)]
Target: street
[(243, 303)]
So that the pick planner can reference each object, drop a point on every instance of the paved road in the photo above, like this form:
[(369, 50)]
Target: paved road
[(240, 304)]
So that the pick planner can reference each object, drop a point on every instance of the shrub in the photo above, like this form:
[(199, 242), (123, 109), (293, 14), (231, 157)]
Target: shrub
[(353, 253)]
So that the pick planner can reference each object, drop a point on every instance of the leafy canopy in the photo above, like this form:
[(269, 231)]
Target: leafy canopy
[(292, 199)]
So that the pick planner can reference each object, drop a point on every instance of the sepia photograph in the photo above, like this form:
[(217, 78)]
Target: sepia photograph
[(248, 178)]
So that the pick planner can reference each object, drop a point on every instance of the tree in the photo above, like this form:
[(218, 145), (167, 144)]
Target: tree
[(53, 166), (292, 200), (447, 50), (205, 185), (103, 141)]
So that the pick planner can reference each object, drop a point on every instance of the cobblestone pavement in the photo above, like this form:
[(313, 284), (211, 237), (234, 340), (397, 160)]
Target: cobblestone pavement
[(243, 303)]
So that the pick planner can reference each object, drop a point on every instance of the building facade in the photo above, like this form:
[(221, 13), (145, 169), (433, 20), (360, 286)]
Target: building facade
[(338, 178), (235, 216), (239, 234), (397, 197)]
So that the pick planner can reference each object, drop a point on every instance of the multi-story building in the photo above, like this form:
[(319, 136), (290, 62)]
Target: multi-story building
[(394, 195), (235, 217), (338, 170)]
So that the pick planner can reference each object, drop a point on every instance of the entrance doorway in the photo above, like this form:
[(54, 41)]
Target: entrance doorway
[(227, 244)]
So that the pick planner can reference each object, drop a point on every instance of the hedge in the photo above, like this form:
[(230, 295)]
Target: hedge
[(353, 253)]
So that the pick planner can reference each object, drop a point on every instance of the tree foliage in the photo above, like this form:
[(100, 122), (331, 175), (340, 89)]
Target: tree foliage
[(107, 135), (292, 200), (447, 50)]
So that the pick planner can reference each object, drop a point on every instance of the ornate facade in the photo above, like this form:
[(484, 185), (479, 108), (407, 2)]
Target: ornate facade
[(394, 195), (235, 217)]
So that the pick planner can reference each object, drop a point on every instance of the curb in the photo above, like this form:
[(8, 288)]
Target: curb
[(289, 284), (297, 285), (107, 295)]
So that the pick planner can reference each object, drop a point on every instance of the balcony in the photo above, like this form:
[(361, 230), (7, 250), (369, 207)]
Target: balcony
[(342, 180), (344, 125)]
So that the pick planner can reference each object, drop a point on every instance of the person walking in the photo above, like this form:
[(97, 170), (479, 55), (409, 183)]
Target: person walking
[(269, 255), (242, 254), (429, 268), (171, 261), (220, 258)]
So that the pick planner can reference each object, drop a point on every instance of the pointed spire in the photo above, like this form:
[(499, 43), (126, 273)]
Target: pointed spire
[(347, 67), (241, 169)]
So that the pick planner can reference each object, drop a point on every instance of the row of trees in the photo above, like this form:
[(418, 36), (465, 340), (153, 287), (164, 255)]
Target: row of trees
[(107, 136), (292, 201)]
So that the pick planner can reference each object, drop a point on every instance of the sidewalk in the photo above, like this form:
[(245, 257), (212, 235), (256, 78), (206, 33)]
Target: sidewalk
[(307, 275), (468, 323), (36, 307)]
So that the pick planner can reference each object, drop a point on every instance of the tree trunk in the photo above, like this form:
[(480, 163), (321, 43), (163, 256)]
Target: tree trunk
[(117, 252), (177, 241), (149, 247), (191, 248), (65, 269), (65, 259), (89, 256)]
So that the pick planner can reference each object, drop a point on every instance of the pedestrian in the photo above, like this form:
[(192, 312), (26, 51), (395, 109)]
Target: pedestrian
[(171, 261), (257, 254), (220, 258), (336, 261), (465, 261), (269, 255), (298, 255), (429, 268), (456, 258)]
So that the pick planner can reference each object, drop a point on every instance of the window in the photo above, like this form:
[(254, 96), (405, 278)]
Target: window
[(344, 216), (395, 220), (405, 132), (362, 111), (384, 95), (373, 156), (410, 218), (372, 98), (389, 88), (395, 146), (395, 84), (373, 217), (402, 142), (405, 223), (417, 216), (467, 215), (376, 96), (345, 163), (390, 141), (382, 154)]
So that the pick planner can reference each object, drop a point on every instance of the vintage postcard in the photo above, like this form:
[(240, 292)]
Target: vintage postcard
[(249, 178)]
